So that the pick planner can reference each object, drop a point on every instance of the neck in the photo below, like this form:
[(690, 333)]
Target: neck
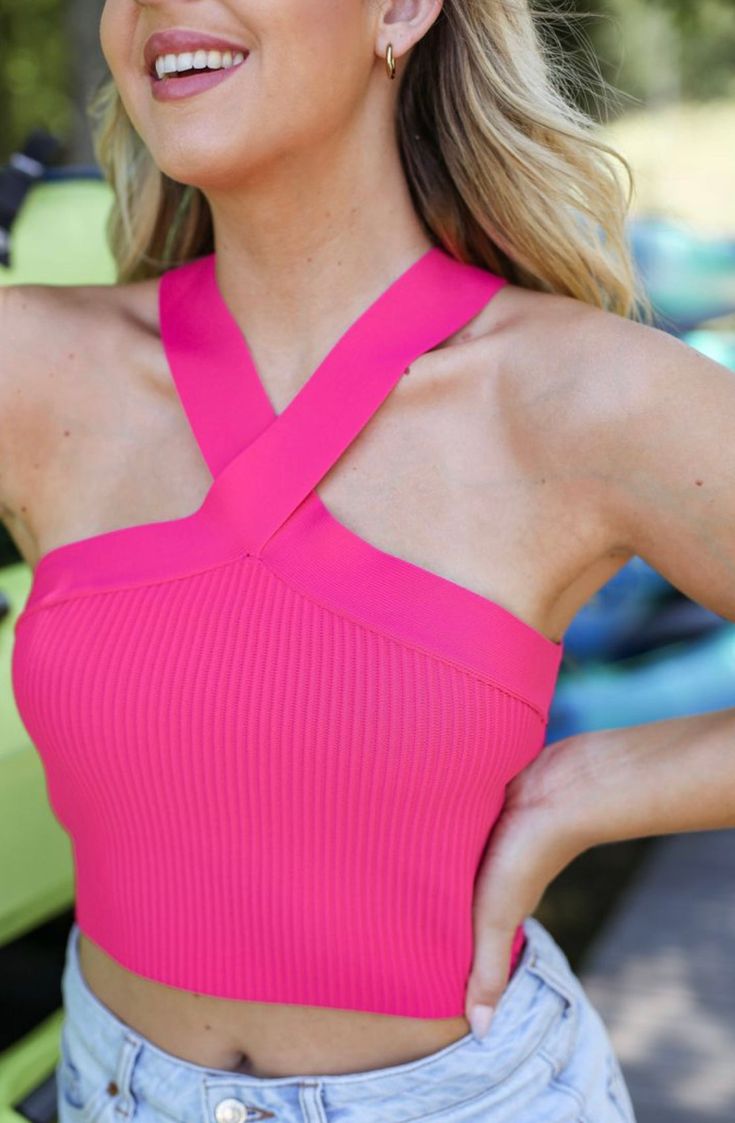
[(302, 250)]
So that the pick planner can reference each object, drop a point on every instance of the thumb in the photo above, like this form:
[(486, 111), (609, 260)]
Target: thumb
[(489, 976)]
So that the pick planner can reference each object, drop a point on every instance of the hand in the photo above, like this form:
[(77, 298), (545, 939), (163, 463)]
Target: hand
[(535, 837)]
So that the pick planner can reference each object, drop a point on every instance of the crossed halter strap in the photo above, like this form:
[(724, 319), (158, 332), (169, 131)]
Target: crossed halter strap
[(273, 461)]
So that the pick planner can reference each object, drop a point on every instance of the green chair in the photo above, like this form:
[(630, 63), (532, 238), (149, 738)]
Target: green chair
[(57, 238)]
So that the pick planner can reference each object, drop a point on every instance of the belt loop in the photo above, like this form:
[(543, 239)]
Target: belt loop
[(311, 1097), (123, 1075)]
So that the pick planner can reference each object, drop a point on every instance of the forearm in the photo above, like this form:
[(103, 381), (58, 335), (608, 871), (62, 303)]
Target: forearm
[(663, 777)]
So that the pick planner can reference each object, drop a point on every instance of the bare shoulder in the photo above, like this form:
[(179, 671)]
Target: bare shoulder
[(617, 388), (568, 376), (36, 326), (647, 421), (58, 341), (572, 370)]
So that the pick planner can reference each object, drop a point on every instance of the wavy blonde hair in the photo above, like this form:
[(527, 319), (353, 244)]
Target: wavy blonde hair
[(504, 169)]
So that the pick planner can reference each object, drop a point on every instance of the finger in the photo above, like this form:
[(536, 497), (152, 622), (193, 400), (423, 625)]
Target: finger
[(489, 975), (508, 886)]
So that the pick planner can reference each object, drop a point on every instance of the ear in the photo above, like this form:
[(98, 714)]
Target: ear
[(403, 23)]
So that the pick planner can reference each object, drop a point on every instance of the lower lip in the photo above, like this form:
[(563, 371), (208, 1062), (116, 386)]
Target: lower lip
[(171, 89)]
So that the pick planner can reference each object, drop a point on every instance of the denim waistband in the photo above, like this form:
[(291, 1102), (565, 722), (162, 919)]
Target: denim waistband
[(540, 990)]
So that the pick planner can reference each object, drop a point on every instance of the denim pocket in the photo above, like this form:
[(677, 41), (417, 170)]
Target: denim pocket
[(527, 1043), (84, 1091)]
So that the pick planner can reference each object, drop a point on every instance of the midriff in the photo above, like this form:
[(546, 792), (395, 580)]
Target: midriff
[(260, 1038)]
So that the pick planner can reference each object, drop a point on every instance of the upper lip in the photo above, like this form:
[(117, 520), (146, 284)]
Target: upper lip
[(177, 40)]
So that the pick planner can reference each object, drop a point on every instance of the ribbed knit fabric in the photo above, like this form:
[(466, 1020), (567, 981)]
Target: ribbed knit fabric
[(277, 749)]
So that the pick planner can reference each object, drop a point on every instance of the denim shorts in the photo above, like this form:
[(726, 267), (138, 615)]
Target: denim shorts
[(547, 1058)]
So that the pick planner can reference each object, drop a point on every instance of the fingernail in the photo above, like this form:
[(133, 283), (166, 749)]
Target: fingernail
[(480, 1017)]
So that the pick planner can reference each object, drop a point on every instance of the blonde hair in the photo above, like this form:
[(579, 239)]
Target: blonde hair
[(505, 171)]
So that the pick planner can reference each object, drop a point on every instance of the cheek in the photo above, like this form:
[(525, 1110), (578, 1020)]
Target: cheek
[(115, 34), (315, 63), (308, 71), (117, 41)]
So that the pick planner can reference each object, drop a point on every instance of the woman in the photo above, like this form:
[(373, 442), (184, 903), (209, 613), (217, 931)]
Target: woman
[(294, 735)]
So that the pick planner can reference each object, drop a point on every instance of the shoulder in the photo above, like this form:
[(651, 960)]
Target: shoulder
[(53, 336), (563, 380), (550, 357), (628, 416), (59, 342), (615, 387), (46, 326), (37, 324), (574, 366)]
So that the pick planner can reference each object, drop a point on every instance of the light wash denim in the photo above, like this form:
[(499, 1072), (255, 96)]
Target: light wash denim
[(547, 1058)]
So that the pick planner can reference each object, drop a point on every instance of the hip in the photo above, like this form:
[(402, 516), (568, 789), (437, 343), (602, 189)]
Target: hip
[(547, 1055)]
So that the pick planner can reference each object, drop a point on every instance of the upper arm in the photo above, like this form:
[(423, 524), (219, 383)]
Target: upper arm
[(662, 447), (37, 326), (10, 363), (58, 343)]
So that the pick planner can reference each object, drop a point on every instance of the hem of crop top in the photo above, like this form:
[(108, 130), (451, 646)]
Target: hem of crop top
[(517, 949)]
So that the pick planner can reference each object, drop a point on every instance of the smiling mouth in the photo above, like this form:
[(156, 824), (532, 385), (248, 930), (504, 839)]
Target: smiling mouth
[(183, 65)]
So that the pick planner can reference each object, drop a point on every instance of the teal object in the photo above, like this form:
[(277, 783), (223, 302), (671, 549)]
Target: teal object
[(689, 278), (692, 677), (717, 345), (620, 608)]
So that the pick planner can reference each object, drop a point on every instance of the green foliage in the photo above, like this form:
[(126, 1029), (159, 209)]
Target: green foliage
[(708, 59), (669, 50), (35, 71)]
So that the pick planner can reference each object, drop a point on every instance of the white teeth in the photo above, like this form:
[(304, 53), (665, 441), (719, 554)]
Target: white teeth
[(197, 60)]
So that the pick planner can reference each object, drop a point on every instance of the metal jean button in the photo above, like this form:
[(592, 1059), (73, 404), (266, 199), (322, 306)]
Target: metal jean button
[(230, 1111)]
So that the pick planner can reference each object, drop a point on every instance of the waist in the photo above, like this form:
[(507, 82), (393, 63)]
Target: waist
[(261, 1039)]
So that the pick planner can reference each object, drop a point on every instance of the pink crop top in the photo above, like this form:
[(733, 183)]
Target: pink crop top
[(278, 750)]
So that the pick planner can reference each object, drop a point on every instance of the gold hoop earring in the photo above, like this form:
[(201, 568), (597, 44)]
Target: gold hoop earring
[(390, 62)]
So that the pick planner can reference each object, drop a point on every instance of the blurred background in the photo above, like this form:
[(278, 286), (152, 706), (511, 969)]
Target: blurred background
[(648, 924)]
